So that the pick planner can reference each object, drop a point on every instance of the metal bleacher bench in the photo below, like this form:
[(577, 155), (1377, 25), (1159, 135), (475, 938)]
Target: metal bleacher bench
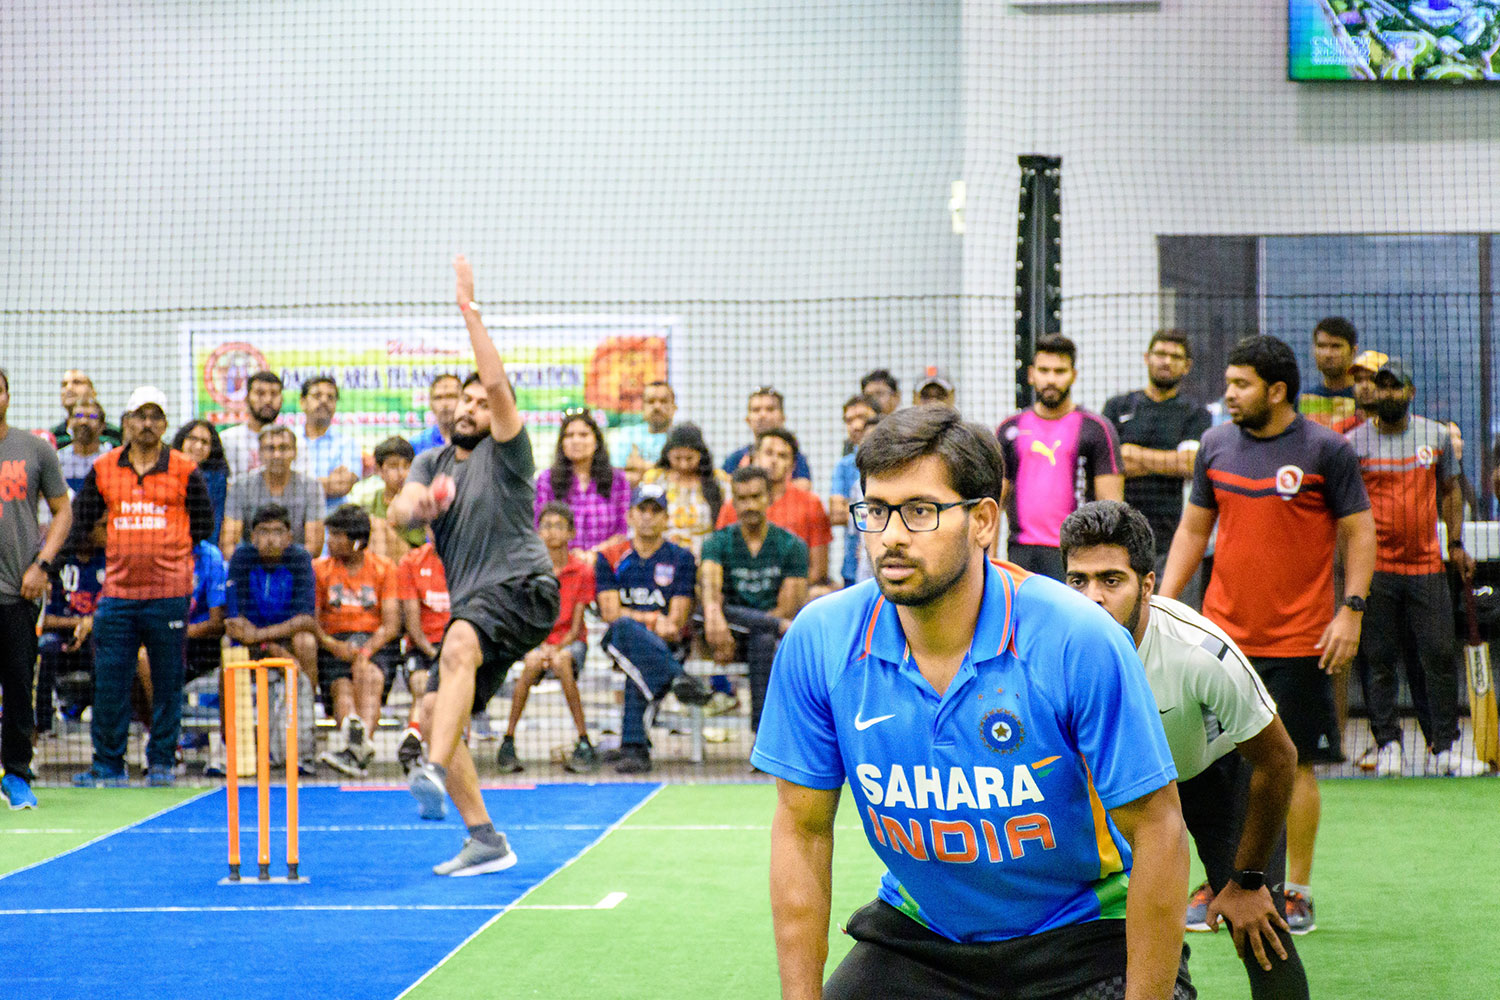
[(700, 667)]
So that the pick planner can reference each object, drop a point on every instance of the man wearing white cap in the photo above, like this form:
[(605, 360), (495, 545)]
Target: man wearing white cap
[(156, 507)]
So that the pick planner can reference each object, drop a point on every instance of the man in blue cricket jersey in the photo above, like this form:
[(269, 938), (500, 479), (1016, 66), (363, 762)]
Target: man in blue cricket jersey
[(1003, 750), (645, 593)]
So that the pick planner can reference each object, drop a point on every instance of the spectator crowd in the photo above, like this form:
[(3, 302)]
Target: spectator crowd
[(1309, 532)]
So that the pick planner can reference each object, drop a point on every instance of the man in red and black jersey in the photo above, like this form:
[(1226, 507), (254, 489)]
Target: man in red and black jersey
[(157, 508), (1286, 493)]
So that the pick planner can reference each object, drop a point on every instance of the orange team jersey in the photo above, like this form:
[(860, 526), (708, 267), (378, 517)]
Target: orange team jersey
[(1403, 474), (575, 584), (1279, 501), (351, 602), (797, 510), (420, 577)]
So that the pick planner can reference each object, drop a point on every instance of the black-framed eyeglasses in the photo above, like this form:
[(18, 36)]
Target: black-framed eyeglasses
[(917, 515), (575, 411)]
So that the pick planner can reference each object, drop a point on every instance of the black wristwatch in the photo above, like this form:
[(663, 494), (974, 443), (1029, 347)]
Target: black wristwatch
[(1355, 604), (1250, 881), (44, 565)]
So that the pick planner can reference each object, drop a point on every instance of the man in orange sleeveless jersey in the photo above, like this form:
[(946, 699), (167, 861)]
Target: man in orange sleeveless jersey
[(157, 508)]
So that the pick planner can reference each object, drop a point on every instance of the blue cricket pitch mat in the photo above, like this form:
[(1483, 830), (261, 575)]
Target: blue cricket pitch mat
[(139, 914)]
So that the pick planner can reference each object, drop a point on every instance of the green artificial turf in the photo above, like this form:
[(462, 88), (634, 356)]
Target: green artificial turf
[(1401, 905)]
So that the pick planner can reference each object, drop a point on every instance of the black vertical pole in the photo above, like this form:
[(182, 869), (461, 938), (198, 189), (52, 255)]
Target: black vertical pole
[(1486, 373), (1038, 262)]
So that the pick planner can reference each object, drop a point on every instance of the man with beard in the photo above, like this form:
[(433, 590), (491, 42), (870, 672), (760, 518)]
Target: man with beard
[(478, 495), (85, 446), (242, 441), (1057, 456), (1159, 432), (1212, 704), (1330, 401), (1410, 475), (1287, 495), (1004, 754), (442, 399)]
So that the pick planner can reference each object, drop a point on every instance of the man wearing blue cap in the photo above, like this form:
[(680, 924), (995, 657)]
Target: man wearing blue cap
[(645, 594)]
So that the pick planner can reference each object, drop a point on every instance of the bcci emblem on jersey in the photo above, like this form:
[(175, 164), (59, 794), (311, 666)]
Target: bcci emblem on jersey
[(1288, 481), (1002, 731)]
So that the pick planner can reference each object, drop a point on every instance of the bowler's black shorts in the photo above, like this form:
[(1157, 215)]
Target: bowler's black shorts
[(511, 620)]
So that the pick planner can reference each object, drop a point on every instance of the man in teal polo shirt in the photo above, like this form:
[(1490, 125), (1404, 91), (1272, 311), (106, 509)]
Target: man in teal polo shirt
[(754, 579)]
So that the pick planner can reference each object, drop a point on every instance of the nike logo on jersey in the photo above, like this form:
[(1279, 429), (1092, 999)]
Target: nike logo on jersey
[(1050, 454), (1164, 711), (863, 724)]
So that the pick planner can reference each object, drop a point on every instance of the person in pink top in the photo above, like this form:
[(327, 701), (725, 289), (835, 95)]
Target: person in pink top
[(582, 478), (1057, 457)]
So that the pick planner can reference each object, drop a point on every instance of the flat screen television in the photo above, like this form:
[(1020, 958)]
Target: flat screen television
[(1448, 41)]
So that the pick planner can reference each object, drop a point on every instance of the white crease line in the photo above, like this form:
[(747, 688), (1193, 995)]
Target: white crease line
[(609, 902), (516, 905)]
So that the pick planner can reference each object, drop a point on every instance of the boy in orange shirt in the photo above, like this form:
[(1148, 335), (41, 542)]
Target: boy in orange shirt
[(357, 623), (563, 650), (422, 590)]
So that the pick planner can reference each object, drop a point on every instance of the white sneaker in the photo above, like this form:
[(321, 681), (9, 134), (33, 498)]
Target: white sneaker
[(1388, 761), (1452, 764)]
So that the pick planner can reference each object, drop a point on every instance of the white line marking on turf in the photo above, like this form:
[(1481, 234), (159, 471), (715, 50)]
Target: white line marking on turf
[(314, 908), (110, 833), (516, 905), (218, 831), (609, 902)]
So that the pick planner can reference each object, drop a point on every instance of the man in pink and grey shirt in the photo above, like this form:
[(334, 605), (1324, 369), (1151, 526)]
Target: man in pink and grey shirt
[(1057, 456)]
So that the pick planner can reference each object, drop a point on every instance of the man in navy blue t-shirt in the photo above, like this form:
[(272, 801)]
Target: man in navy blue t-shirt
[(270, 593), (645, 594)]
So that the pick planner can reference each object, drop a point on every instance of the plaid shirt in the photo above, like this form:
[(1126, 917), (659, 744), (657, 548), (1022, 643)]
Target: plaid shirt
[(596, 518)]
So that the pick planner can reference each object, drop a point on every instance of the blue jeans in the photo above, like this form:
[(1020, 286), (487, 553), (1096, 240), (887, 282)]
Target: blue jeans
[(121, 626), (649, 667)]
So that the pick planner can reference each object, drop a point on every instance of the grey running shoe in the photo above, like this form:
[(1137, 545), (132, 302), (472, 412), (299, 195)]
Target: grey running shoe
[(427, 787), (582, 760), (505, 757), (344, 762), (478, 859)]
